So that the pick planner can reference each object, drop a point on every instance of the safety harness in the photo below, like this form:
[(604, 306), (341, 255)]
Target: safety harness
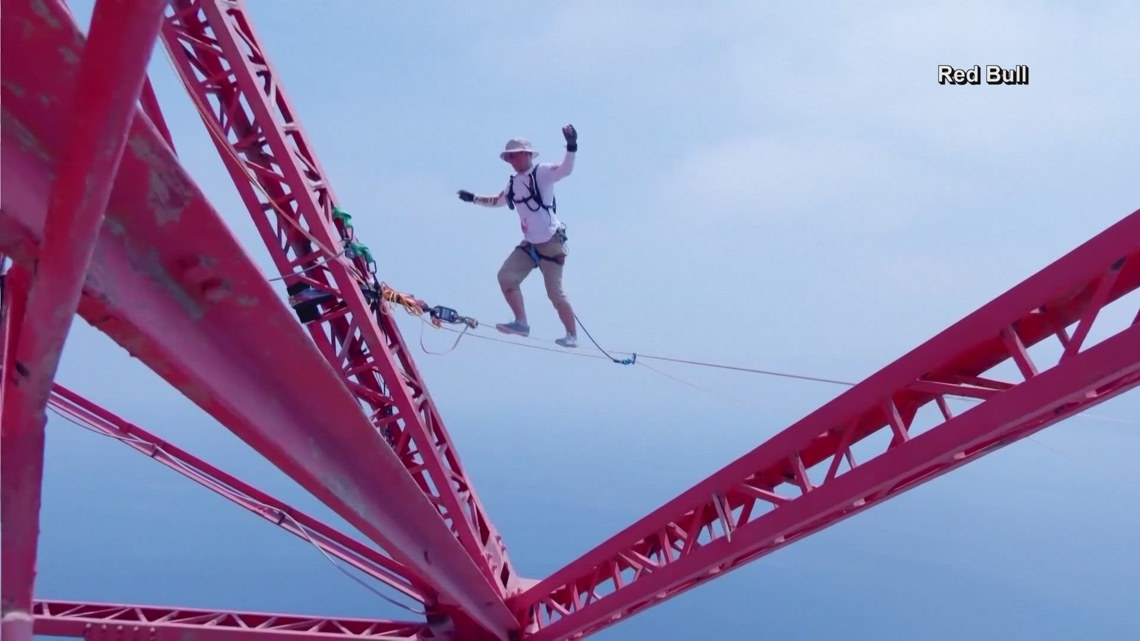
[(528, 247), (535, 197)]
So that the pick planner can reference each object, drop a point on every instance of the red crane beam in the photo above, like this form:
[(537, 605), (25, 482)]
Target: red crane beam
[(111, 73), (111, 622), (169, 283), (288, 518), (136, 261), (220, 58), (795, 484), (21, 471)]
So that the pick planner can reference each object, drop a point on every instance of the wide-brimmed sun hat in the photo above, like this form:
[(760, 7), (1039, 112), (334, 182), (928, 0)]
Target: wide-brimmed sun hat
[(515, 145)]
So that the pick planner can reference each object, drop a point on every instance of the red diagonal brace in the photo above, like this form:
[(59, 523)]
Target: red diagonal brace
[(111, 76), (325, 538), (98, 621), (150, 107)]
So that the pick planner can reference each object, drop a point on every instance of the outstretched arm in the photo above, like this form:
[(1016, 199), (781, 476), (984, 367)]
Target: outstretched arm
[(566, 167), (486, 201)]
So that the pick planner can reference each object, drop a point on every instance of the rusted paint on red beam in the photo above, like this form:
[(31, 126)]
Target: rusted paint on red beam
[(95, 123), (169, 283), (245, 105)]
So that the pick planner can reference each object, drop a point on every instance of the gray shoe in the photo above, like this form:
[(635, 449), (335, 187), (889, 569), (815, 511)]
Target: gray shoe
[(514, 327)]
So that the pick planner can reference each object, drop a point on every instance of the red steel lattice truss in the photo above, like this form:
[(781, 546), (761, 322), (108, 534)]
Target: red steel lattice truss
[(102, 205)]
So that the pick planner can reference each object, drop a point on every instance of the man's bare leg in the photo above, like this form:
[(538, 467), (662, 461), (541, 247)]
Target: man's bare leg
[(514, 298), (566, 315)]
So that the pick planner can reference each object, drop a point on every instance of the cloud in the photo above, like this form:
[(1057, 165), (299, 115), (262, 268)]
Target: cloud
[(876, 70), (595, 39), (777, 175), (838, 119), (831, 116)]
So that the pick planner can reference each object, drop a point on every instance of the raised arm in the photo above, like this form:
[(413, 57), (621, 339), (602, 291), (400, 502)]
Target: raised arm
[(566, 167), (556, 172)]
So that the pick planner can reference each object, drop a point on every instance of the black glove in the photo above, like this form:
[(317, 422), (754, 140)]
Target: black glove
[(571, 136), (466, 196)]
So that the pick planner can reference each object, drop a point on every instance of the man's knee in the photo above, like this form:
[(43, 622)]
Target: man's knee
[(513, 270), (509, 280)]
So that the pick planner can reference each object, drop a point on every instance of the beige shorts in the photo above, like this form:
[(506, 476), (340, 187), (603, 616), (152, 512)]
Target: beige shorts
[(519, 264)]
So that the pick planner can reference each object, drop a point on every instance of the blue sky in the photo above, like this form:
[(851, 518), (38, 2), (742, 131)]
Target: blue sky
[(776, 187)]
